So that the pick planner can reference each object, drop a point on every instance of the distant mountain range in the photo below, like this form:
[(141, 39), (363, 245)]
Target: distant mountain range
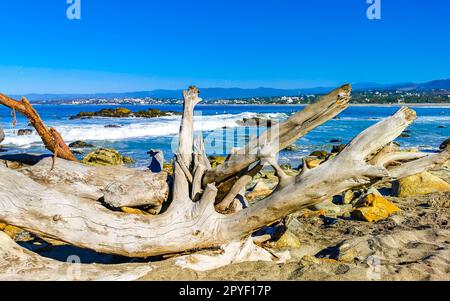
[(216, 93)]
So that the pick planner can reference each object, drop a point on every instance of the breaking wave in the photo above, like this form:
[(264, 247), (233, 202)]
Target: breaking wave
[(95, 130)]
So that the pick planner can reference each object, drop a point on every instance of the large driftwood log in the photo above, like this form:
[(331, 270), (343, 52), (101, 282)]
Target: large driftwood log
[(189, 225), (51, 138), (17, 263)]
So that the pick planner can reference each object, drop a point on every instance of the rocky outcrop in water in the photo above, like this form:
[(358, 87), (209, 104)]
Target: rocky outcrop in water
[(80, 144), (24, 132), (122, 113)]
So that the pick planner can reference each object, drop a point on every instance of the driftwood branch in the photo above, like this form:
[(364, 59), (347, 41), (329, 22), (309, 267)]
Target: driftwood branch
[(420, 165), (238, 188), (282, 135), (51, 138)]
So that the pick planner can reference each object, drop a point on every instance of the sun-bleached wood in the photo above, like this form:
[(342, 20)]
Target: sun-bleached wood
[(119, 186), (237, 188), (182, 165), (282, 135), (420, 165), (189, 225)]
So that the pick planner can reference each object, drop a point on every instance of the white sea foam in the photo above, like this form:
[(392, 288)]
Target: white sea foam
[(424, 119), (433, 119), (137, 128)]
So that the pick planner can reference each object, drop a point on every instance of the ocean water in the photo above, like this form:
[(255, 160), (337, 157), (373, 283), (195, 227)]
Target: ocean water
[(217, 124)]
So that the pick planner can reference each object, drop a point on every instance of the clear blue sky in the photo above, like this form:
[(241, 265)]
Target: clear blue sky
[(134, 45)]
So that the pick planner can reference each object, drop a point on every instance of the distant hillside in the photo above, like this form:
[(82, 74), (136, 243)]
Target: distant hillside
[(230, 93)]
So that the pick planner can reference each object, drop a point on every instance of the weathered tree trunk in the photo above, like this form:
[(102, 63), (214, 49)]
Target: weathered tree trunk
[(189, 225), (51, 138), (119, 186)]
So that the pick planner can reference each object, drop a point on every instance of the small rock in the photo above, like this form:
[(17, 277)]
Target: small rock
[(157, 164), (260, 190), (168, 167), (24, 132), (287, 241), (327, 206), (446, 204), (338, 148), (286, 166), (112, 126), (106, 157), (424, 183), (373, 208), (216, 160), (321, 154), (445, 144), (397, 219), (403, 135), (348, 196), (309, 260), (347, 215), (335, 141), (80, 144), (329, 221), (313, 162)]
